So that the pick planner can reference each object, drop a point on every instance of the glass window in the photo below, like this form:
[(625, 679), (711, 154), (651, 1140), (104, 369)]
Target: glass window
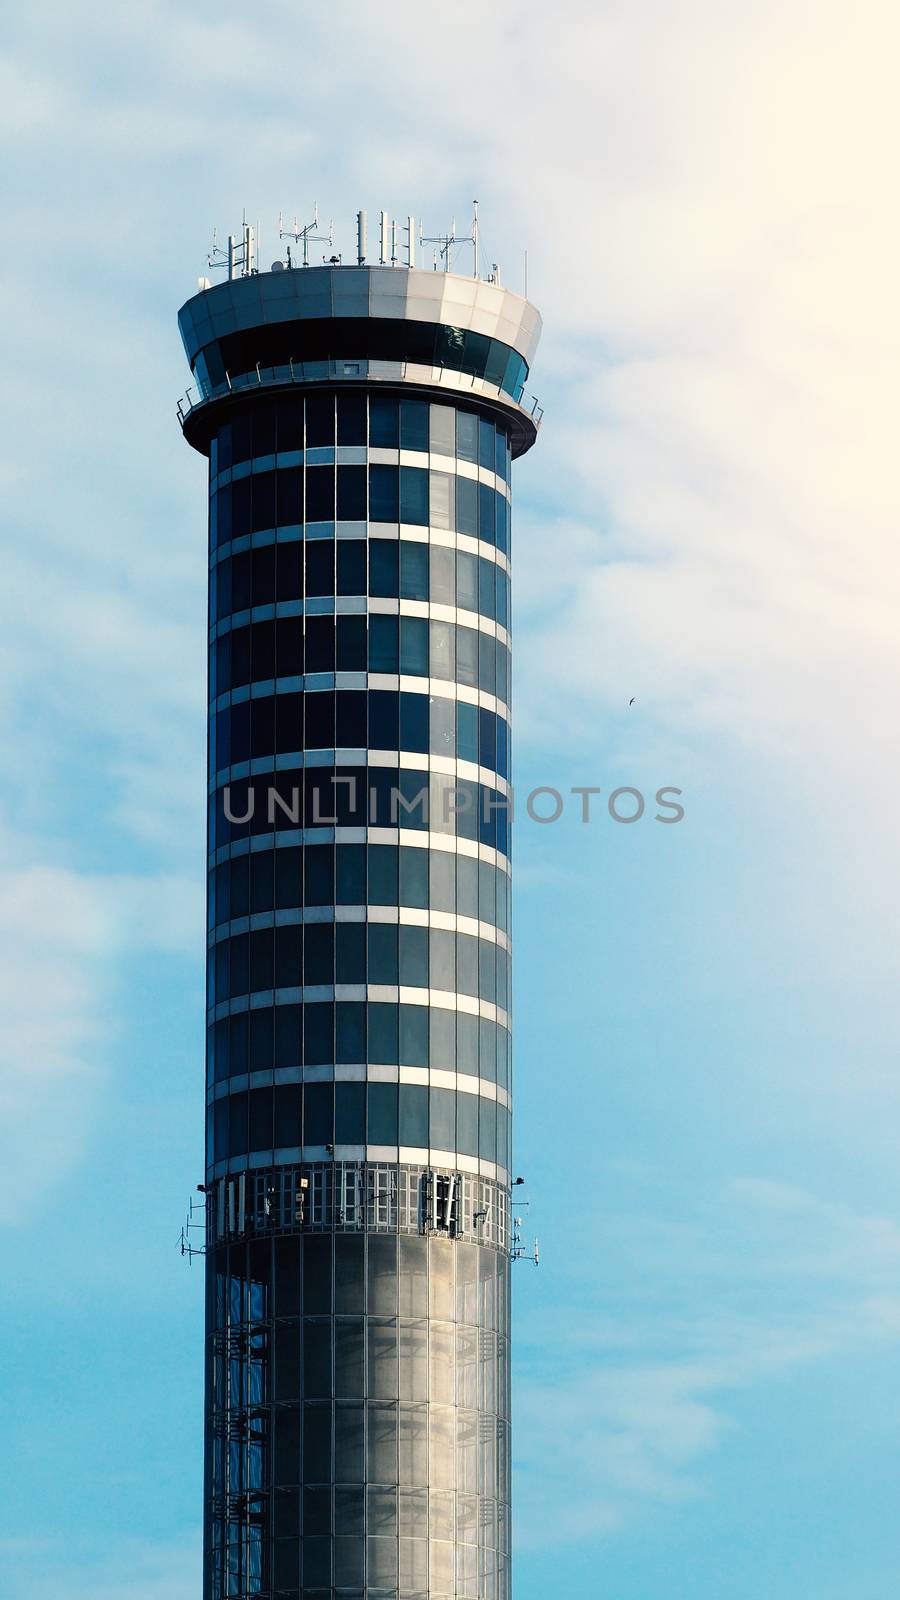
[(290, 425), (413, 1114), (350, 1098), (443, 960), (442, 726), (384, 575), (413, 876), (384, 719), (501, 509), (263, 493), (288, 644), (382, 1275), (467, 656), (263, 575), (442, 880), (320, 494), (287, 1107), (383, 864), (349, 1274), (349, 1443), (317, 1052), (351, 494), (349, 951), (501, 455), (318, 1118), (466, 1048), (467, 506), (414, 1035), (467, 435), (288, 956), (349, 1362), (319, 639), (413, 570), (467, 1124), (240, 508), (382, 1359), (442, 563), (382, 1034), (413, 956), (487, 585), (240, 581), (351, 643), (351, 419), (443, 1119), (467, 581), (414, 645), (487, 663), (466, 886), (384, 422), (413, 724), (486, 446), (350, 876), (442, 430), (384, 493), (351, 565), (319, 724), (384, 643), (383, 957), (287, 878), (319, 420), (414, 424), (414, 495), (320, 568), (442, 1038), (383, 1113), (440, 500), (241, 440), (486, 505)]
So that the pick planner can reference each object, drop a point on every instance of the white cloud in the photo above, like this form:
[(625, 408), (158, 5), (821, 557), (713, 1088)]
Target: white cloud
[(64, 937), (777, 1281)]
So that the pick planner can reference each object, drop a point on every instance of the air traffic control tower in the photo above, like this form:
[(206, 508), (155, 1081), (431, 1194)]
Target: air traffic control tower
[(360, 423)]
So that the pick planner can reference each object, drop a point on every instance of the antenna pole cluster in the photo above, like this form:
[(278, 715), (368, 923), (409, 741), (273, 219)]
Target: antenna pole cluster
[(305, 235), (239, 256)]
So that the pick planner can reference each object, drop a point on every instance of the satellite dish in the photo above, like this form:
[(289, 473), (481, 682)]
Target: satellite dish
[(277, 266), (203, 283)]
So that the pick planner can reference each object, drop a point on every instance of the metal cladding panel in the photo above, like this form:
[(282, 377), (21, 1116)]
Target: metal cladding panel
[(377, 291)]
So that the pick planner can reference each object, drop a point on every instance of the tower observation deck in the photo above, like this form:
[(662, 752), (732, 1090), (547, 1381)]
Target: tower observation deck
[(360, 423)]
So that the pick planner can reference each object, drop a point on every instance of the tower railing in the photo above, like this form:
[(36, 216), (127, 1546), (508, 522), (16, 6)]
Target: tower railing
[(364, 369)]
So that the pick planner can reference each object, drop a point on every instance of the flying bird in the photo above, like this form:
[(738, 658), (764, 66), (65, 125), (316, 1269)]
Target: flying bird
[(631, 701)]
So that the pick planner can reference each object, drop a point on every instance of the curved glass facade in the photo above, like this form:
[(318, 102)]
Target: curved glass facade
[(359, 998), (366, 338)]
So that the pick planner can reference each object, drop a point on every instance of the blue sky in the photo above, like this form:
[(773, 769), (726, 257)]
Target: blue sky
[(708, 1103)]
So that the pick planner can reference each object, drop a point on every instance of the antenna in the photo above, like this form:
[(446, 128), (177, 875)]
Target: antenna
[(475, 238), (393, 243), (383, 239), (360, 237), (306, 233), (196, 1208), (519, 1249), (239, 260), (410, 241), (444, 240)]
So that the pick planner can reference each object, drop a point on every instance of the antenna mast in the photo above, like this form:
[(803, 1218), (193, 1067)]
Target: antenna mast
[(444, 240), (239, 260), (305, 234)]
